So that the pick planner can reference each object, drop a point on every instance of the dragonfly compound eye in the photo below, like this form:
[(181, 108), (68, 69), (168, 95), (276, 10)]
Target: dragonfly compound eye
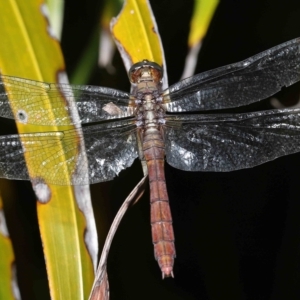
[(143, 68)]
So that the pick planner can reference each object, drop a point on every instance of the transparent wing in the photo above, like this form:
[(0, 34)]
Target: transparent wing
[(228, 142), (41, 102), (242, 83), (110, 148)]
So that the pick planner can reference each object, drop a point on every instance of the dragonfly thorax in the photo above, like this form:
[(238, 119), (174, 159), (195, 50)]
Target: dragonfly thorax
[(145, 78), (149, 111)]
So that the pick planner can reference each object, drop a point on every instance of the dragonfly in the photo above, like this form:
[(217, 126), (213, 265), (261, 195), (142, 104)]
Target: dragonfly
[(153, 125)]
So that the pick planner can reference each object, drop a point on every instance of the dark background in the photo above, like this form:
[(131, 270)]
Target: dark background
[(238, 233)]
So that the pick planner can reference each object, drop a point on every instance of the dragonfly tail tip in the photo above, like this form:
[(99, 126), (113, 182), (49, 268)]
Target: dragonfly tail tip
[(167, 274)]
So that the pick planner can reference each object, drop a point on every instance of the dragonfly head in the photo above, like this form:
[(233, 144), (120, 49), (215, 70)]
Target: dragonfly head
[(145, 71)]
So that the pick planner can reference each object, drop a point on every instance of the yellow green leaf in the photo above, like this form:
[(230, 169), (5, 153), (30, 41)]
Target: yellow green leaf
[(56, 13), (28, 49), (202, 15), (136, 34)]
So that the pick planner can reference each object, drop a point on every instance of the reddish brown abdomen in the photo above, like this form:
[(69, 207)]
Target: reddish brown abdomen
[(161, 219)]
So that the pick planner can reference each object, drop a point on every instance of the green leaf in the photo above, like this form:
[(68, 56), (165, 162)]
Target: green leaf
[(202, 16), (28, 49), (136, 34)]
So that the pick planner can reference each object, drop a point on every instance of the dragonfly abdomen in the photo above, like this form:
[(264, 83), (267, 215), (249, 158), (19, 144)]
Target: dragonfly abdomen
[(161, 218)]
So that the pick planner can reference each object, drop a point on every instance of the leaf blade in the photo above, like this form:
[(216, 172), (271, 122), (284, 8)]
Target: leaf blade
[(26, 37)]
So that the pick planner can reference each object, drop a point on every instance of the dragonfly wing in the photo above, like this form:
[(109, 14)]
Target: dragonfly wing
[(238, 84), (55, 104), (57, 158), (221, 143), (110, 150)]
